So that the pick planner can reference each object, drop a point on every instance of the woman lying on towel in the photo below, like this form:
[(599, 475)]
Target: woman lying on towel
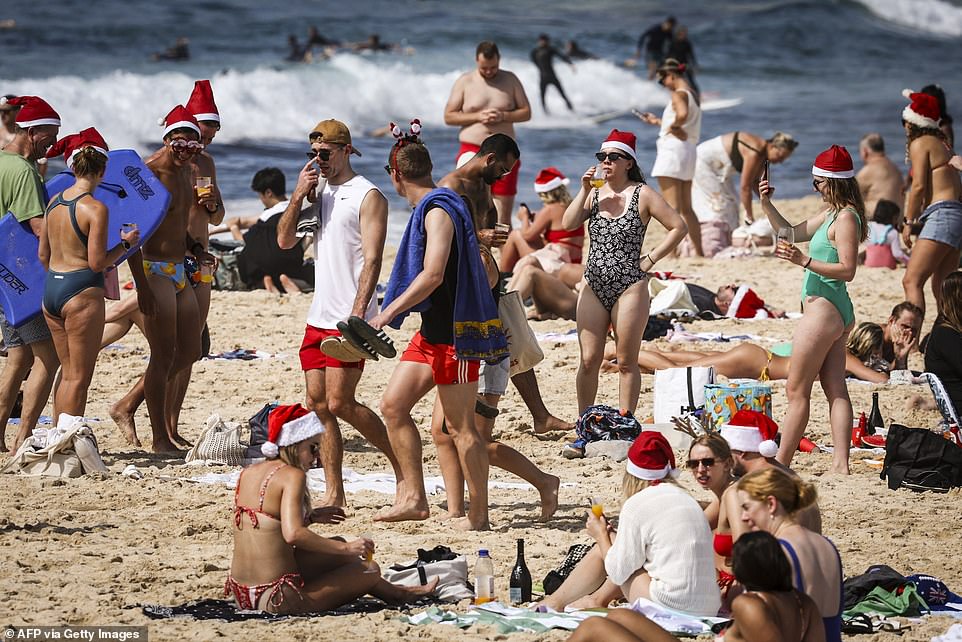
[(770, 609), (663, 549), (863, 359), (280, 565)]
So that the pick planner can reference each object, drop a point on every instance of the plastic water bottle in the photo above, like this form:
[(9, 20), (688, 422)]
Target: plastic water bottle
[(483, 578)]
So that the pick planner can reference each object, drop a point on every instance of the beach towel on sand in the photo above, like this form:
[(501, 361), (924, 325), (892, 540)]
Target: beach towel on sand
[(227, 610), (478, 334)]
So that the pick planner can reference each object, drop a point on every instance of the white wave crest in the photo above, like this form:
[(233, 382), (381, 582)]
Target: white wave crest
[(932, 16), (284, 103)]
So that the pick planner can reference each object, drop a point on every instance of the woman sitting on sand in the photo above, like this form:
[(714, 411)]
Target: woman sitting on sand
[(770, 499), (73, 248), (616, 272), (863, 359), (542, 241), (770, 609), (663, 548), (943, 355), (279, 564), (820, 336)]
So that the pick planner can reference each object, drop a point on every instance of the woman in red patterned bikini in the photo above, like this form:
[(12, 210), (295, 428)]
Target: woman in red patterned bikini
[(280, 565)]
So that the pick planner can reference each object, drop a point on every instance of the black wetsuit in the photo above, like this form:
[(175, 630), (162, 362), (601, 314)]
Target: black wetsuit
[(542, 56), (657, 41)]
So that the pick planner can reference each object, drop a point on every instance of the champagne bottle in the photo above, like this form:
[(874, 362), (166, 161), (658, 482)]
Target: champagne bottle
[(520, 587), (875, 420)]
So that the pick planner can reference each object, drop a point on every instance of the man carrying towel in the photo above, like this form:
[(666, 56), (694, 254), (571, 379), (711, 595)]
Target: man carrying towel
[(22, 193), (348, 245), (438, 272)]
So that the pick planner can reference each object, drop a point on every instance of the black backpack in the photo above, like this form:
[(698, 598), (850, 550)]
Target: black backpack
[(919, 459)]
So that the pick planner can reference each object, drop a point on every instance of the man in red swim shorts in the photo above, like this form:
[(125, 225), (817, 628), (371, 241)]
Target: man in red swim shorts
[(484, 101)]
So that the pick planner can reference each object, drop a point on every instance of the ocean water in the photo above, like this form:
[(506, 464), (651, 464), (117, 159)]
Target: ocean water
[(826, 71)]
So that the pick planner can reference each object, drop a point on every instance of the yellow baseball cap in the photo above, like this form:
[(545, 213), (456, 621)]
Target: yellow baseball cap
[(332, 131)]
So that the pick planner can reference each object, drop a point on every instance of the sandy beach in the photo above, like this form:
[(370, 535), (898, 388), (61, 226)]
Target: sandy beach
[(91, 550)]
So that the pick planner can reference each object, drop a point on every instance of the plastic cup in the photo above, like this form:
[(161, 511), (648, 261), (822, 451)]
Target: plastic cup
[(203, 186)]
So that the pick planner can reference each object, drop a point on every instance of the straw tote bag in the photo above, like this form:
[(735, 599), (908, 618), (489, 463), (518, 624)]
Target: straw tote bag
[(218, 444)]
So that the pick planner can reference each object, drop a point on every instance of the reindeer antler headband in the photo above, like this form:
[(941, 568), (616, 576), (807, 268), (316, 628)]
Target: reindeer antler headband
[(401, 139)]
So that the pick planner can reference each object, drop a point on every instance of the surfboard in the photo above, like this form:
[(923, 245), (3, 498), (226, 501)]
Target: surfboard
[(711, 104), (131, 193)]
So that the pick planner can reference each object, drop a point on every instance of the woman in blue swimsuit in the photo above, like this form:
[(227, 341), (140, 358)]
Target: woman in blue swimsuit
[(616, 295), (73, 243), (770, 499), (820, 337)]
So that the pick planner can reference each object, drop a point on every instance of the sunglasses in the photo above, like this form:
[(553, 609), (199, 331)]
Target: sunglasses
[(661, 79), (323, 154), (388, 169), (817, 184), (610, 156), (190, 146), (707, 462)]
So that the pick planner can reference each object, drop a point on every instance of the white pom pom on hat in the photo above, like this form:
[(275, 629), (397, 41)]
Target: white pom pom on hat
[(288, 425), (269, 449)]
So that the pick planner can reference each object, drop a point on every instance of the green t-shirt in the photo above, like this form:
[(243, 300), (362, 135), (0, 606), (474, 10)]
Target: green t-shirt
[(21, 187)]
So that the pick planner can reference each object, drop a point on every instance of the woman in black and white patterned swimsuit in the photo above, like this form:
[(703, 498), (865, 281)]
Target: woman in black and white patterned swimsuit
[(616, 271)]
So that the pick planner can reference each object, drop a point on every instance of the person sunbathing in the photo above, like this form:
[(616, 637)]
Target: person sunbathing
[(863, 359), (770, 609), (281, 566)]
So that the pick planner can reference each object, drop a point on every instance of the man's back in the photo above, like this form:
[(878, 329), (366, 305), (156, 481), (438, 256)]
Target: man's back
[(880, 179)]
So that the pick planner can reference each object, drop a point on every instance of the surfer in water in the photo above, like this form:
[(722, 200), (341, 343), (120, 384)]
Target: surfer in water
[(543, 56)]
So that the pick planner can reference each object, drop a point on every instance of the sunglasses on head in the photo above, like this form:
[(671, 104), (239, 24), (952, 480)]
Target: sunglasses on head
[(191, 146), (323, 154), (707, 462), (610, 156)]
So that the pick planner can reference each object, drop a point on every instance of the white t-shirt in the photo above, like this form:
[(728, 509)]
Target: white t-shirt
[(271, 211), (338, 259), (664, 531)]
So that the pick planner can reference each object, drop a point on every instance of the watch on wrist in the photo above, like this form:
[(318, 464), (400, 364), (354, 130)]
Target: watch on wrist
[(125, 244)]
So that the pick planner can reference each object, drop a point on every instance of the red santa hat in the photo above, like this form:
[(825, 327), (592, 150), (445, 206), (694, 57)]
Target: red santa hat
[(651, 457), (548, 179), (923, 111), (287, 425), (624, 141), (177, 118), (70, 145), (745, 304), (834, 162), (34, 111), (751, 432), (201, 102)]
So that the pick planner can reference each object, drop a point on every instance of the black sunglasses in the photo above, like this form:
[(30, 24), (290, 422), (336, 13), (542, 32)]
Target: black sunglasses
[(707, 462), (323, 154), (661, 79), (817, 184), (610, 156), (388, 169)]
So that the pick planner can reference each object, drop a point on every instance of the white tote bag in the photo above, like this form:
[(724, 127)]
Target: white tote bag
[(680, 390), (522, 344)]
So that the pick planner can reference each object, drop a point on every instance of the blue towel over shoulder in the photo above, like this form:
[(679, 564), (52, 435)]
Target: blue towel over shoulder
[(478, 334)]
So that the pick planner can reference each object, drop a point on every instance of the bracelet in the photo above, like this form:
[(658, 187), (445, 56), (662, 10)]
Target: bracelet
[(125, 244), (648, 256), (807, 263)]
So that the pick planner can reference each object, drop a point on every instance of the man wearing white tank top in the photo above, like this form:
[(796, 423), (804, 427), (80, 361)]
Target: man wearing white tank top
[(348, 244)]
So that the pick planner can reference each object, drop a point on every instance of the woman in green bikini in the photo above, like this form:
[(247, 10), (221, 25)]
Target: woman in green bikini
[(820, 337)]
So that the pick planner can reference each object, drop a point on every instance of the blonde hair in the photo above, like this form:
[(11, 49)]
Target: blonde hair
[(791, 492), (844, 192), (783, 140), (288, 455), (557, 195), (631, 485), (866, 339)]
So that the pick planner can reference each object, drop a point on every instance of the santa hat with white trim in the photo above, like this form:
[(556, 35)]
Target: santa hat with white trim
[(548, 179), (177, 118), (834, 162), (923, 111), (70, 145), (751, 432), (650, 457), (201, 102), (623, 141), (34, 111), (745, 304), (288, 425)]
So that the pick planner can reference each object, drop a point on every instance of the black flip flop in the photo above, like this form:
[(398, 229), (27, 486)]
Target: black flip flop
[(376, 339), (352, 337)]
